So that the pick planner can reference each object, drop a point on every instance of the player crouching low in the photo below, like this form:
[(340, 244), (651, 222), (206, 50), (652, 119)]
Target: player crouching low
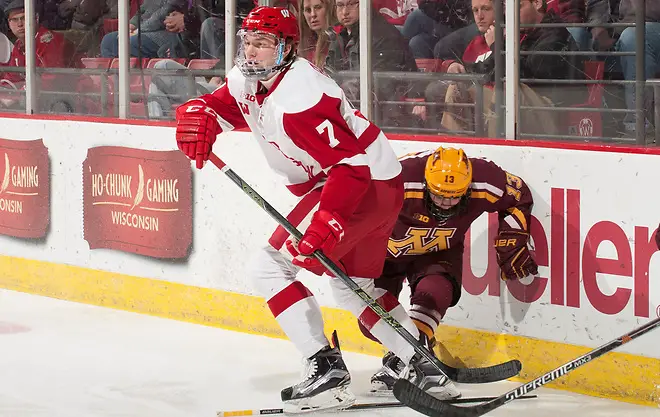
[(445, 192)]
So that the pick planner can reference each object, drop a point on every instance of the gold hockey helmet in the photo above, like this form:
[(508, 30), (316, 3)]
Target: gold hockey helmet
[(448, 173)]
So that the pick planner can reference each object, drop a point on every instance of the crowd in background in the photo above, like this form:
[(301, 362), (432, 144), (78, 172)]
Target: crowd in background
[(440, 37)]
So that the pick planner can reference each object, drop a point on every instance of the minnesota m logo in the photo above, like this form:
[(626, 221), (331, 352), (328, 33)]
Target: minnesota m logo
[(419, 241)]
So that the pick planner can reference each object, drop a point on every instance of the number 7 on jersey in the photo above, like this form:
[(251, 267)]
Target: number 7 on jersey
[(326, 126)]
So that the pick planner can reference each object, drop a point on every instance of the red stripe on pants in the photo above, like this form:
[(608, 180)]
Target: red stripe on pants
[(290, 295), (369, 318), (299, 212)]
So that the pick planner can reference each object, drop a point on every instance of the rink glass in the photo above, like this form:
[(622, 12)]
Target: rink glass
[(404, 92)]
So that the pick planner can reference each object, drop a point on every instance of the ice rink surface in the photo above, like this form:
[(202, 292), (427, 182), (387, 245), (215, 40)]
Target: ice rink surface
[(62, 359)]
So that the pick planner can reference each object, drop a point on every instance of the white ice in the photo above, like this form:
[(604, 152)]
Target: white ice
[(63, 359)]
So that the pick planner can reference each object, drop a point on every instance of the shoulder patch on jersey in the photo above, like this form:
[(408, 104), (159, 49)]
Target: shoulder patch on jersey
[(421, 217)]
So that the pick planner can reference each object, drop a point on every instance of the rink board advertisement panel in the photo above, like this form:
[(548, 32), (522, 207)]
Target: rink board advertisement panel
[(593, 233), (138, 201), (24, 188)]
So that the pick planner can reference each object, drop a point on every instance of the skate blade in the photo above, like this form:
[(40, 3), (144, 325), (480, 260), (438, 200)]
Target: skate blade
[(380, 389), (331, 400), (441, 392), (444, 392)]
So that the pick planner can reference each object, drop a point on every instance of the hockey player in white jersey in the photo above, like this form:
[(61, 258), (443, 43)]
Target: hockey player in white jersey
[(349, 182)]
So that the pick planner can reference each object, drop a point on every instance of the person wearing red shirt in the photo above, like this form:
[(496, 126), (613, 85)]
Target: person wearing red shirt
[(49, 45)]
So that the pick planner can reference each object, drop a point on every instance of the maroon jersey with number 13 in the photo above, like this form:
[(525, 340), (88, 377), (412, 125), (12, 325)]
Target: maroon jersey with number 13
[(419, 242)]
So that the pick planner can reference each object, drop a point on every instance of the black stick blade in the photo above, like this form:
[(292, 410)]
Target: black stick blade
[(420, 401), (493, 373)]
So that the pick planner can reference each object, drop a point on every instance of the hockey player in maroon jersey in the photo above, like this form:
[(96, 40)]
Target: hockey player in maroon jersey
[(445, 191), (350, 187)]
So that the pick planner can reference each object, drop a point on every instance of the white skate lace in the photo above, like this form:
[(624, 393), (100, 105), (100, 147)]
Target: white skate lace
[(310, 369)]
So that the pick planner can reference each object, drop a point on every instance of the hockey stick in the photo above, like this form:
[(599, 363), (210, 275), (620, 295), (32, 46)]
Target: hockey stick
[(422, 402), (354, 407), (461, 375)]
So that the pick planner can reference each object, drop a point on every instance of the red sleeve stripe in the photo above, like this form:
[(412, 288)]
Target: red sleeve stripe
[(369, 319), (296, 216), (369, 135), (290, 295)]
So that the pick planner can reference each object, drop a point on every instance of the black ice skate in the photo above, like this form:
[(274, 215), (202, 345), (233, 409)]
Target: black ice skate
[(382, 381), (325, 383), (420, 372), (423, 373)]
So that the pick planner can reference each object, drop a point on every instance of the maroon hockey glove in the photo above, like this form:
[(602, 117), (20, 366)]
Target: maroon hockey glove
[(324, 232), (196, 129), (513, 255), (657, 237)]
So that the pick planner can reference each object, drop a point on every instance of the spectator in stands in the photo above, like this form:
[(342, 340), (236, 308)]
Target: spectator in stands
[(50, 17), (4, 27), (598, 12), (395, 12), (165, 91), (624, 40), (49, 51), (49, 46), (573, 11), (453, 45), (319, 16), (184, 20), (5, 50), (151, 36), (86, 19), (213, 27), (389, 52), (626, 43), (88, 15), (531, 66), (426, 26), (478, 49)]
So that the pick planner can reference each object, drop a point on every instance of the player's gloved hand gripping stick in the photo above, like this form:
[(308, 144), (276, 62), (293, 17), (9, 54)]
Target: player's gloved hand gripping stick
[(462, 375)]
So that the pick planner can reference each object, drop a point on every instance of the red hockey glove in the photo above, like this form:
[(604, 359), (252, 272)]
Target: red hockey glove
[(196, 129), (657, 237), (324, 232), (513, 255)]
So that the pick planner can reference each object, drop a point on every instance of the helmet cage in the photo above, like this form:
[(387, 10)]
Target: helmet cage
[(442, 215), (251, 69)]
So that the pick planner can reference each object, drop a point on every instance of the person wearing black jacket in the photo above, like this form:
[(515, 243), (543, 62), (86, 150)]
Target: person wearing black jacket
[(389, 52), (624, 39), (533, 66), (212, 42), (427, 26)]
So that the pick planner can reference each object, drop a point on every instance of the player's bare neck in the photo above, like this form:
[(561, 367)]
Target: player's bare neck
[(267, 84)]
